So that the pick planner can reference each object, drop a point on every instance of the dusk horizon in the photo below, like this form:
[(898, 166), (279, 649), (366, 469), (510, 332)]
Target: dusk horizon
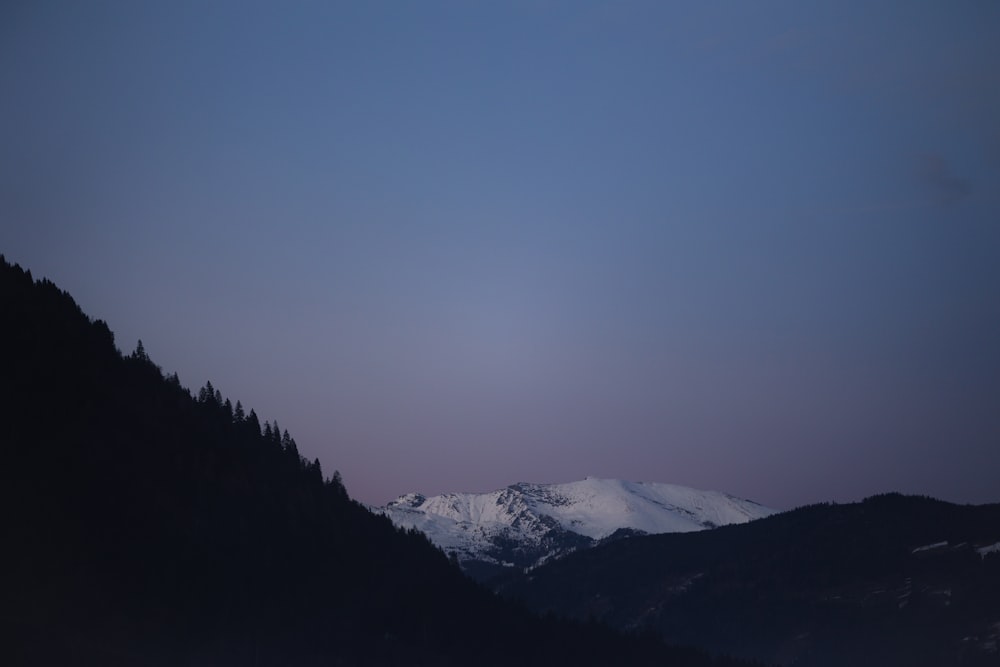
[(449, 247)]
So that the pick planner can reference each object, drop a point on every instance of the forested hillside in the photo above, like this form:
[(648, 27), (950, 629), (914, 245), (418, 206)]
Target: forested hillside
[(893, 580), (146, 525)]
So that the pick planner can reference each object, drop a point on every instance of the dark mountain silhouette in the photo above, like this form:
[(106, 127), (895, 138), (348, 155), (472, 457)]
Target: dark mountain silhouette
[(147, 526), (893, 580)]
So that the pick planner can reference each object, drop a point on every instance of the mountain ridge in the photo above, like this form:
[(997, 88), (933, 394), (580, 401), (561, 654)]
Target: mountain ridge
[(890, 580), (526, 524)]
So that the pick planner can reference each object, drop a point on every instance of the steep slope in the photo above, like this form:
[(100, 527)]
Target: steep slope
[(147, 526), (893, 580), (526, 524)]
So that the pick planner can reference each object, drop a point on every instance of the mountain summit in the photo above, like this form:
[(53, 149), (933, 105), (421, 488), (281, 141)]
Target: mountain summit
[(524, 525)]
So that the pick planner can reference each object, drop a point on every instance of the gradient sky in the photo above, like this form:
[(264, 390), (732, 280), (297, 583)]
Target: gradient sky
[(748, 246)]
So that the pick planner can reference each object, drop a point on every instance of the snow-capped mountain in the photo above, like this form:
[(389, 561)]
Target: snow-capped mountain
[(524, 525)]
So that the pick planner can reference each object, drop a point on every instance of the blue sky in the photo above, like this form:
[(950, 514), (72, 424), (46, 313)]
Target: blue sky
[(752, 247)]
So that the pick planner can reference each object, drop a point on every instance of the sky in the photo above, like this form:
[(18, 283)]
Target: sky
[(450, 246)]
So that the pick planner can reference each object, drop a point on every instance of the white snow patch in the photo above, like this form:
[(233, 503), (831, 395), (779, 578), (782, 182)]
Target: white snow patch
[(983, 551), (469, 523), (928, 547)]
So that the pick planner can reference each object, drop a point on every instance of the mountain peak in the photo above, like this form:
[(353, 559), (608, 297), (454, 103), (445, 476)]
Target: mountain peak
[(525, 524)]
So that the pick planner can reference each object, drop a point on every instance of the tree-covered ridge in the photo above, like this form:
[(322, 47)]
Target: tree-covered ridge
[(147, 525), (892, 580)]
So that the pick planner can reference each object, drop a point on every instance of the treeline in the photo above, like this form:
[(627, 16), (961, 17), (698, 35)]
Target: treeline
[(147, 525)]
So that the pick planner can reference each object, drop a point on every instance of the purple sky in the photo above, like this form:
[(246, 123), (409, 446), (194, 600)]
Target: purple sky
[(751, 247)]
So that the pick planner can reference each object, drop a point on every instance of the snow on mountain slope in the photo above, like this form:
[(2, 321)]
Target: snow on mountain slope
[(526, 524)]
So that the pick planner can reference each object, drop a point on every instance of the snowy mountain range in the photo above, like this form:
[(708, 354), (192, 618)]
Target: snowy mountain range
[(525, 525)]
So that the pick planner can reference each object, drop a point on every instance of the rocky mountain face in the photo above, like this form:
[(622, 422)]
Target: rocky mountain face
[(524, 525)]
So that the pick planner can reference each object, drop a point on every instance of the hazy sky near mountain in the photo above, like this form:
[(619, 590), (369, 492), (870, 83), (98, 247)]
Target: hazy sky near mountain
[(747, 246)]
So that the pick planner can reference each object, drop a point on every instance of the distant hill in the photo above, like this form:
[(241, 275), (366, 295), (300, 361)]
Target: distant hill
[(893, 580), (144, 525), (524, 525)]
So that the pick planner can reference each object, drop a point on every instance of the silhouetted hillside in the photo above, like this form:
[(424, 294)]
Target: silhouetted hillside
[(893, 580), (147, 526)]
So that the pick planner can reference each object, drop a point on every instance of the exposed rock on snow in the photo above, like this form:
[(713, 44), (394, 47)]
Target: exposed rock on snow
[(526, 524)]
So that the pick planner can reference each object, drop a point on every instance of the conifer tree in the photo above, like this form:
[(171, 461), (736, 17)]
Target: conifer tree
[(337, 482), (207, 394), (314, 469), (253, 422), (288, 444)]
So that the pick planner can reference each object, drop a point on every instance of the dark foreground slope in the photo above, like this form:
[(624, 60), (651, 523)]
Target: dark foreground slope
[(893, 580), (145, 526)]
